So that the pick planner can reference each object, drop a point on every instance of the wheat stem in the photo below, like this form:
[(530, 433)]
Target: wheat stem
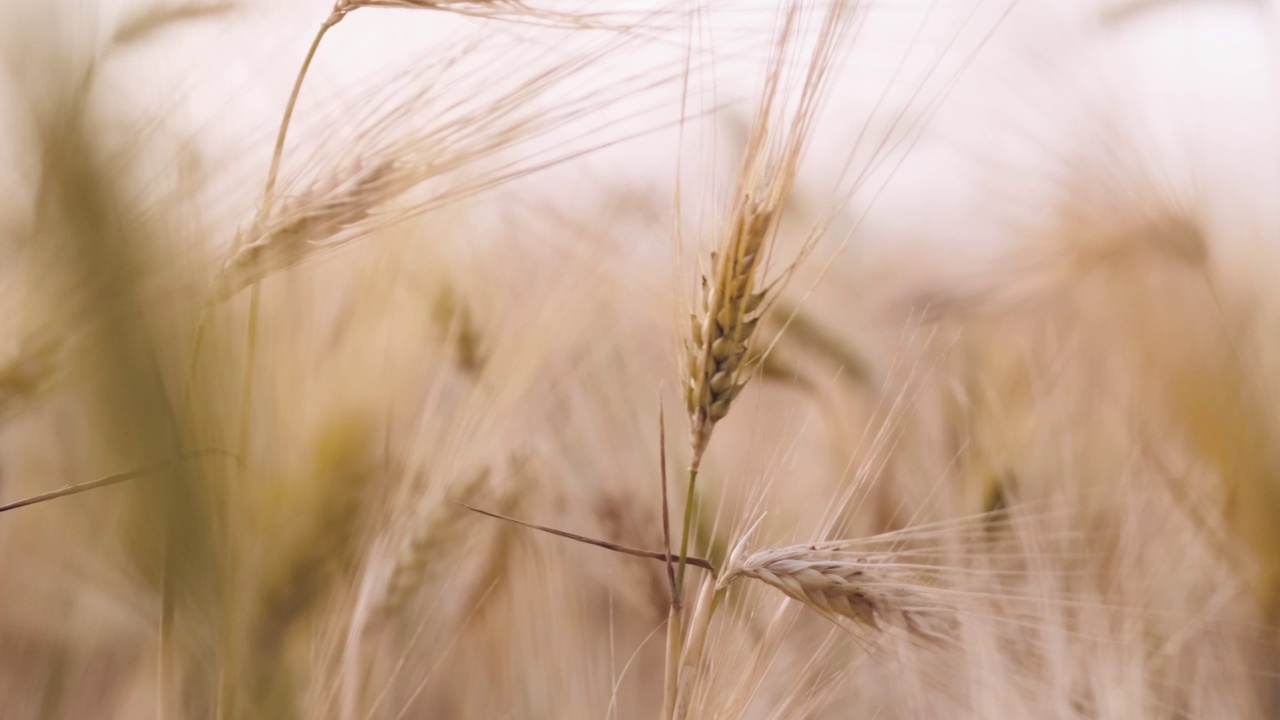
[(708, 600), (104, 481), (274, 171), (255, 302), (687, 526), (671, 678), (675, 622)]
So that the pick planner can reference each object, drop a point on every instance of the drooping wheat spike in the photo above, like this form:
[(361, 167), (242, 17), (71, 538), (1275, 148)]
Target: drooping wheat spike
[(416, 135), (297, 226), (867, 588)]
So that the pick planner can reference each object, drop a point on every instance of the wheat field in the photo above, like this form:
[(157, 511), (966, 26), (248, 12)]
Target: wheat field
[(874, 359)]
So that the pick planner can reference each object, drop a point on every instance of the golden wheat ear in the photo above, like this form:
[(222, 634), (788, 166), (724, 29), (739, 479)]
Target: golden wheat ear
[(735, 295), (850, 588)]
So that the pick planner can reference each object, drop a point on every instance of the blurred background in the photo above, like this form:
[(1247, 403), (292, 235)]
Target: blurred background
[(1025, 319)]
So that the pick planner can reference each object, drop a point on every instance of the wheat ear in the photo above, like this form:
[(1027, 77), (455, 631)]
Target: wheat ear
[(735, 295), (297, 226), (433, 530), (867, 588)]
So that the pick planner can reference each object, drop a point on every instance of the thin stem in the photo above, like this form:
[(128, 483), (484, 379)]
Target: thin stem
[(708, 600), (255, 291), (675, 623), (273, 173), (666, 511), (246, 393), (230, 655), (101, 482), (687, 528), (255, 306), (274, 170), (671, 679)]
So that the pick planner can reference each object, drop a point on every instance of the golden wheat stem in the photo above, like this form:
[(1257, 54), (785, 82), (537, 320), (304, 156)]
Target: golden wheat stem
[(246, 391), (671, 678), (226, 689), (255, 297), (274, 171), (675, 620), (671, 674), (255, 293), (708, 600), (687, 526), (164, 664)]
